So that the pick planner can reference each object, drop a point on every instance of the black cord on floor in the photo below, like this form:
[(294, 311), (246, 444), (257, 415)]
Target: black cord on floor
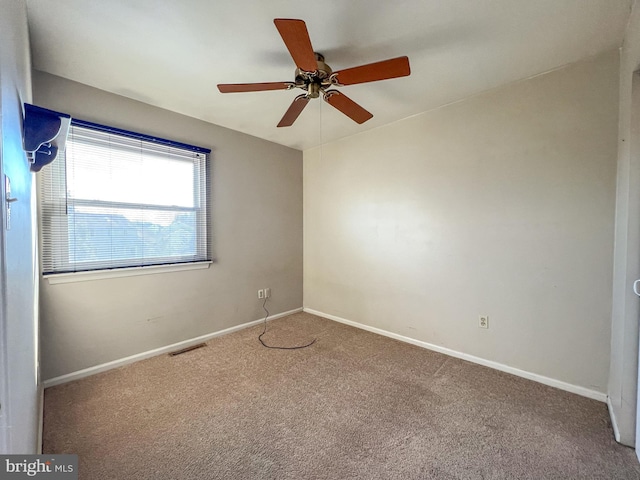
[(265, 331)]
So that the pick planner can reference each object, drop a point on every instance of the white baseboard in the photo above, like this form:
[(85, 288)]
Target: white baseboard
[(614, 420), (585, 392), (69, 377)]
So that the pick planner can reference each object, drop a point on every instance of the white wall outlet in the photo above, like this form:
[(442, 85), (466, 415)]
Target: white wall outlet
[(483, 321), (261, 294), (267, 293)]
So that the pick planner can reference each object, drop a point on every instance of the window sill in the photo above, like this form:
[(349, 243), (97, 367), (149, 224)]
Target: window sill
[(123, 272)]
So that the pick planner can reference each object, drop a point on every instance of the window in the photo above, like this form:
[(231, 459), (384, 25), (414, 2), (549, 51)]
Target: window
[(116, 199)]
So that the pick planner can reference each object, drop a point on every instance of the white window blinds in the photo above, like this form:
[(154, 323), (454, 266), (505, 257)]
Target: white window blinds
[(115, 201)]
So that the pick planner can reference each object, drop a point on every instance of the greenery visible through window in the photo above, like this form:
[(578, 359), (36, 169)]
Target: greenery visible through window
[(116, 199)]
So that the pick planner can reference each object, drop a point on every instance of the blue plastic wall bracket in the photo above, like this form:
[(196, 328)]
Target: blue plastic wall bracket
[(44, 135)]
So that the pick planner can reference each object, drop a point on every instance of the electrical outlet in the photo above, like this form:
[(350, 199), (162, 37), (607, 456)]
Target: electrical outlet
[(267, 293), (260, 294), (483, 321)]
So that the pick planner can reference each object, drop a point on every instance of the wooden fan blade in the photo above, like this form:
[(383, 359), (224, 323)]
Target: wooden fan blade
[(294, 111), (347, 106), (372, 72), (296, 38), (252, 87)]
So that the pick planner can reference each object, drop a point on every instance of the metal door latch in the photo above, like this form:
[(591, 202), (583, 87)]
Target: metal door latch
[(8, 200)]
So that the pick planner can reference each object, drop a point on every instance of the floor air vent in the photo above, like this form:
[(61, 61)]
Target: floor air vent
[(188, 349)]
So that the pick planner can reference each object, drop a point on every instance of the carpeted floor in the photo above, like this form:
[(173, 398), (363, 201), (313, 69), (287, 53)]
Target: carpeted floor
[(354, 405)]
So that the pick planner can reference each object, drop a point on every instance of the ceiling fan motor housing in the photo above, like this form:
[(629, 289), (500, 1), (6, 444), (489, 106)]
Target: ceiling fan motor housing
[(313, 81)]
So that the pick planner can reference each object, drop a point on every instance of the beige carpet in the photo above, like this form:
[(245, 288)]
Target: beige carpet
[(354, 405)]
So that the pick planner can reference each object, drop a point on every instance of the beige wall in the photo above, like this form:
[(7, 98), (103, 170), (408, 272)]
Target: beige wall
[(501, 204), (623, 371), (257, 242)]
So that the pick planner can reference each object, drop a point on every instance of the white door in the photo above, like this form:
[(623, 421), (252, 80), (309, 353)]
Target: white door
[(19, 397)]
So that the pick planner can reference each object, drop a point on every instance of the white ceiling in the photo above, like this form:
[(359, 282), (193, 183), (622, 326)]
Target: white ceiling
[(173, 53)]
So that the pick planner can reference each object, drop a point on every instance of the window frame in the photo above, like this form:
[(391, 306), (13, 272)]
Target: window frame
[(63, 270)]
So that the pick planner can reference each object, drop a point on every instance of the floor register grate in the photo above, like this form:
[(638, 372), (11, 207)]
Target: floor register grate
[(187, 349)]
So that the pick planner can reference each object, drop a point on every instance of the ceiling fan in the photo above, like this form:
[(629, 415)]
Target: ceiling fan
[(316, 77)]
